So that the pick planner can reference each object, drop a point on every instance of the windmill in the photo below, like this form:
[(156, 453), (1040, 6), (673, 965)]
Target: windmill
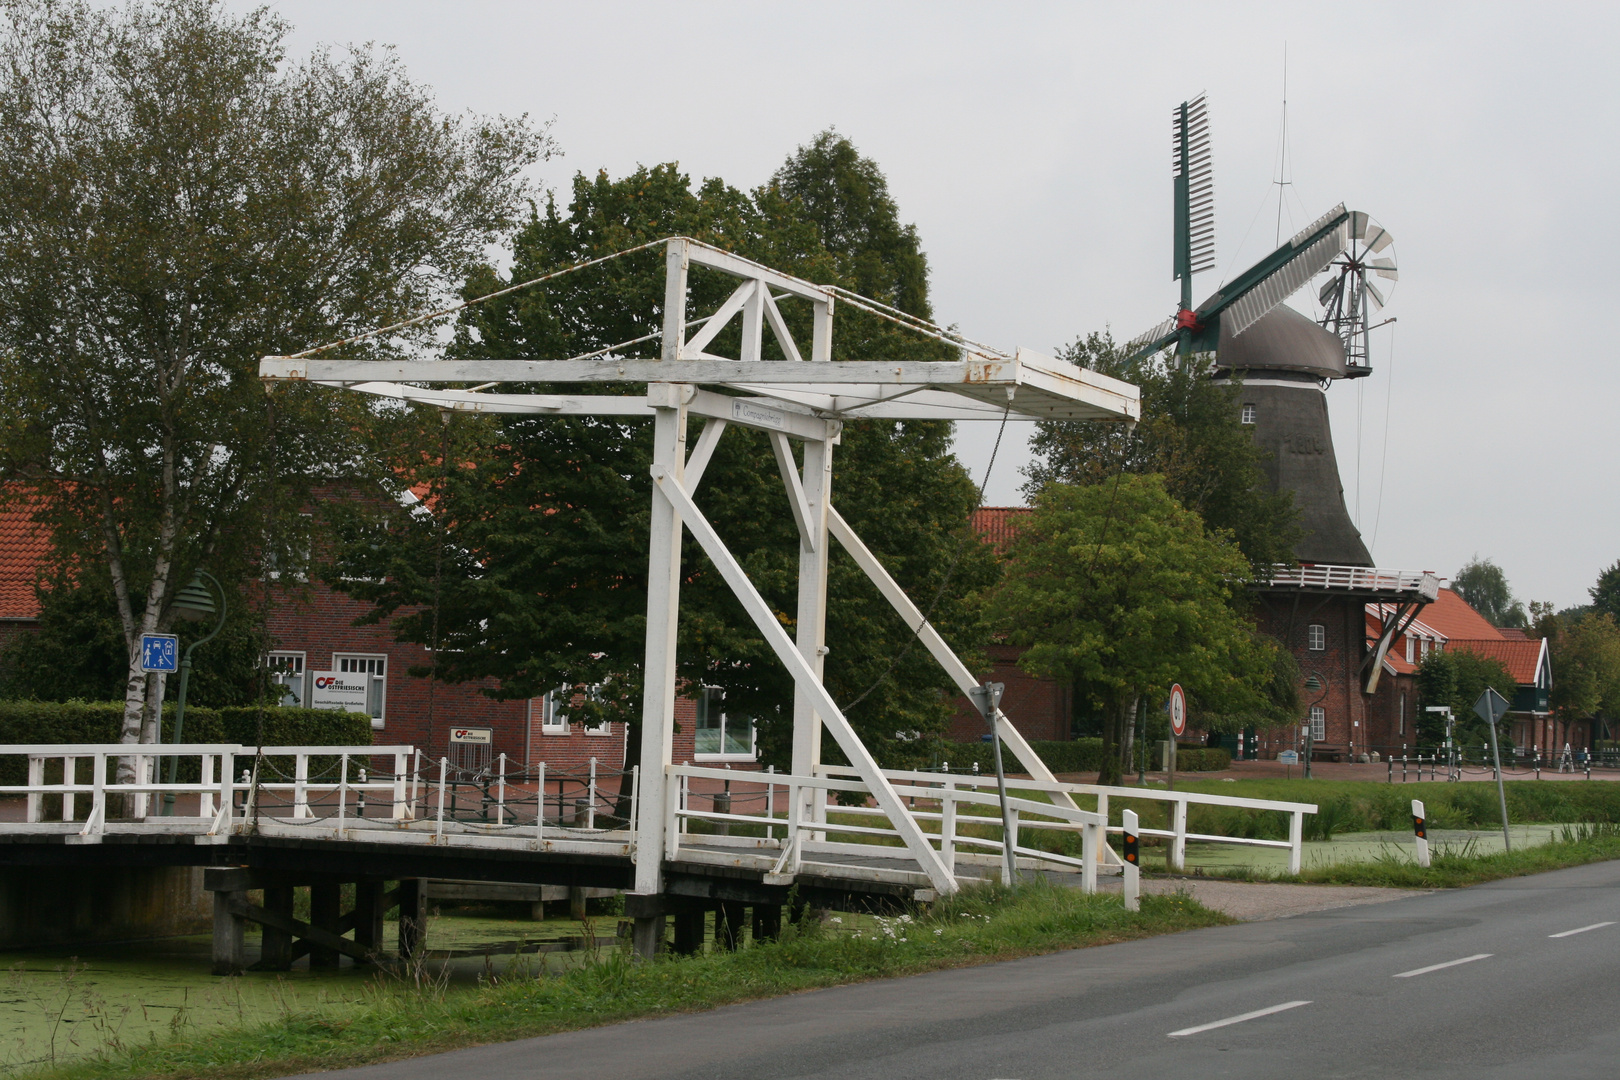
[(1347, 293), (1284, 359)]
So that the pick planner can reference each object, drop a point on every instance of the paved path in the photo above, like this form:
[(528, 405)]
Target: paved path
[(1474, 983)]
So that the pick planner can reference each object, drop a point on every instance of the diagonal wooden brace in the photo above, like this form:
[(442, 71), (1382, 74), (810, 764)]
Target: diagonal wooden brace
[(860, 757)]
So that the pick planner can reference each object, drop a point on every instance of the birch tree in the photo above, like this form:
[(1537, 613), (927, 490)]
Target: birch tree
[(178, 198)]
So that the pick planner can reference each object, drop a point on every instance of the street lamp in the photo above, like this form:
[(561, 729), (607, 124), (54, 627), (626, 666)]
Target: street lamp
[(1315, 682), (192, 603)]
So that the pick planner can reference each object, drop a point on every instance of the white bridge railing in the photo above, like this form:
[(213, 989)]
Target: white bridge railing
[(793, 843), (391, 792), (803, 839), (1178, 802)]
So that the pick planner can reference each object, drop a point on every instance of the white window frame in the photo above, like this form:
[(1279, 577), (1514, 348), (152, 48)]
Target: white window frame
[(299, 671), (553, 711), (549, 725), (1316, 637), (1403, 714), (379, 680), (716, 694), (1411, 649), (1248, 413), (1318, 723)]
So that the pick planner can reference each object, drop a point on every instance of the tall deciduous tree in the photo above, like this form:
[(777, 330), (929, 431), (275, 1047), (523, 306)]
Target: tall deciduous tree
[(1190, 433), (1606, 593), (1119, 590), (1456, 678), (1587, 657), (177, 199), (1483, 584), (532, 567)]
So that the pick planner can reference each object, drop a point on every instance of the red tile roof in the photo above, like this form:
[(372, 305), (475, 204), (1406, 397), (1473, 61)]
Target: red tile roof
[(24, 546), (1451, 617), (998, 523), (1521, 658)]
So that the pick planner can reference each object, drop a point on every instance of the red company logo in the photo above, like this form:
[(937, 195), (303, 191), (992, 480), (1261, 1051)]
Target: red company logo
[(324, 681)]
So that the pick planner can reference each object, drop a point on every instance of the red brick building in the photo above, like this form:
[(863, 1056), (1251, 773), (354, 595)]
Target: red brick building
[(313, 630)]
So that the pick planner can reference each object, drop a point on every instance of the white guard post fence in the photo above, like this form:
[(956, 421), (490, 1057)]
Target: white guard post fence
[(805, 397)]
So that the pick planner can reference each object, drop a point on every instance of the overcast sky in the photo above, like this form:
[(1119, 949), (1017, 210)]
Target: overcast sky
[(1030, 145)]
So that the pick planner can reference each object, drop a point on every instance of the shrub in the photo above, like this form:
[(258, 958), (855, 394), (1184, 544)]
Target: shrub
[(37, 722), (1078, 755)]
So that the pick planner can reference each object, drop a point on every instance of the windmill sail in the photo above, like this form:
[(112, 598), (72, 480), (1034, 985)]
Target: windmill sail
[(1195, 188), (1284, 273)]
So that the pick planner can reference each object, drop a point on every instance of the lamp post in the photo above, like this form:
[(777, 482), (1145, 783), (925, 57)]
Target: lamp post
[(192, 603), (1313, 681)]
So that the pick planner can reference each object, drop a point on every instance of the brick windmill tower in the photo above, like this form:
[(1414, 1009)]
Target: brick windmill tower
[(1285, 363)]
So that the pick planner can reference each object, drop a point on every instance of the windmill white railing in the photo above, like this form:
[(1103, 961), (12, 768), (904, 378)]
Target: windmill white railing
[(1356, 579)]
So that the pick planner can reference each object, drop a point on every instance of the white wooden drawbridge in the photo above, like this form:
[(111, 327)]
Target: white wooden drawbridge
[(806, 399)]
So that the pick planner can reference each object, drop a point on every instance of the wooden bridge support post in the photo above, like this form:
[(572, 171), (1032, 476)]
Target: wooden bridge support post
[(412, 917), (324, 908), (229, 952), (576, 903), (767, 922), (275, 944), (368, 915), (689, 932), (648, 936)]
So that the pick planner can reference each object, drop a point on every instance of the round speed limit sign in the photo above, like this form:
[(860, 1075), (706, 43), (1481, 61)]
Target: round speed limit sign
[(1178, 710)]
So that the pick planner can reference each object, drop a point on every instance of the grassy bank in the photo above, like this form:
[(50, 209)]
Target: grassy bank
[(1452, 867), (403, 1015)]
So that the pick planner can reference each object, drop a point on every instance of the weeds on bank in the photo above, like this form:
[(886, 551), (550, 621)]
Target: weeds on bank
[(1453, 866), (405, 1016)]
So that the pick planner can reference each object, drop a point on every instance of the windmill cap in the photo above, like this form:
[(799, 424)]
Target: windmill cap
[(1283, 340)]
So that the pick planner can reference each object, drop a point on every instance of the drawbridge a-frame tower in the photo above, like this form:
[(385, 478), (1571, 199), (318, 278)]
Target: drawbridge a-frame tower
[(804, 399)]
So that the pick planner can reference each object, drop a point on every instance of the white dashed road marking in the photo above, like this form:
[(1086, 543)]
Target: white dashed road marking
[(1437, 967), (1582, 930), (1238, 1019)]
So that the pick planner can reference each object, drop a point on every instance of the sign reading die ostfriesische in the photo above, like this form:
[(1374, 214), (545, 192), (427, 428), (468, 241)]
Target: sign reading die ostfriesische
[(341, 690)]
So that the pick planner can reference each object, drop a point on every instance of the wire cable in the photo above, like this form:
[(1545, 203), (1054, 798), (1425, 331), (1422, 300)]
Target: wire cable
[(945, 581)]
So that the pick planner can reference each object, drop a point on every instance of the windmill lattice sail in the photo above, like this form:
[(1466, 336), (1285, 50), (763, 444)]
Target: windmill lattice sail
[(1195, 188)]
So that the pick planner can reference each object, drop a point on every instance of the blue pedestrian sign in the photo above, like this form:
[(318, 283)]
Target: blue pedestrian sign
[(160, 652)]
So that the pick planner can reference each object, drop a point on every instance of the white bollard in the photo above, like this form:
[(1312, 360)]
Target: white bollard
[(1420, 830), (1133, 867)]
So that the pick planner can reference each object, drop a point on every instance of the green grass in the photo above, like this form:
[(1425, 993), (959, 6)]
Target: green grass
[(411, 1014), (1452, 867)]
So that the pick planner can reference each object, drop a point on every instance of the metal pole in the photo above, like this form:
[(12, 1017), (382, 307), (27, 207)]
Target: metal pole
[(988, 698), (1501, 793), (180, 698)]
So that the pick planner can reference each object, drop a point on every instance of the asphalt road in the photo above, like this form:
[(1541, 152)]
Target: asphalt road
[(1518, 978)]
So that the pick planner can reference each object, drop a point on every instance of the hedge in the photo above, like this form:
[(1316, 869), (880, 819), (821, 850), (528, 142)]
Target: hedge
[(27, 722), (1074, 756)]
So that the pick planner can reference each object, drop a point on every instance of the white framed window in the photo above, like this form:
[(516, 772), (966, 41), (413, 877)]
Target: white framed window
[(287, 671), (1316, 637), (1411, 649), (376, 666), (552, 720), (1403, 713), (561, 702), (717, 736), (1247, 416), (1318, 723)]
